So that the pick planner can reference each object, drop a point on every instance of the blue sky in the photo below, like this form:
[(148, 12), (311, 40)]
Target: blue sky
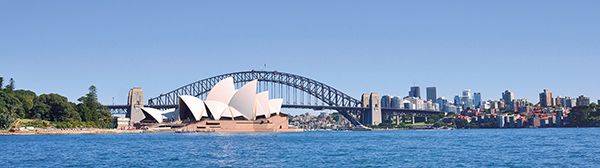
[(355, 46)]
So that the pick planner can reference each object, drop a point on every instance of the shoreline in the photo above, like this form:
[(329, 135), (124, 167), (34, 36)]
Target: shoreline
[(76, 131), (92, 131)]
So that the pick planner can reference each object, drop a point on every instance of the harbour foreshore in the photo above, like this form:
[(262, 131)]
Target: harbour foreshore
[(72, 131)]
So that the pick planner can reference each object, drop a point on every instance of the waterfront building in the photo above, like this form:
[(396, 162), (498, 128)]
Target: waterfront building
[(583, 101), (477, 99), (430, 105), (501, 120), (486, 105), (415, 91), (546, 99), (406, 104), (431, 93), (501, 105), (520, 105), (225, 110)]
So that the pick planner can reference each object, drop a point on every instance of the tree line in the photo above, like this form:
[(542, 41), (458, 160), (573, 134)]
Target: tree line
[(26, 104)]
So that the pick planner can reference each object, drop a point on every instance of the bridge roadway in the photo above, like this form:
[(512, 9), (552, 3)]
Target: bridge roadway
[(385, 111)]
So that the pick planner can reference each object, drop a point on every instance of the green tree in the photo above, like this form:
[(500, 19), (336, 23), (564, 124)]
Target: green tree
[(91, 110), (5, 121), (54, 107), (1, 82), (584, 116), (26, 97), (9, 104), (40, 110)]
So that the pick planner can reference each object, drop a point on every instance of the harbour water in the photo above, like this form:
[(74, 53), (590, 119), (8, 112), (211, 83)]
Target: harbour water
[(552, 147)]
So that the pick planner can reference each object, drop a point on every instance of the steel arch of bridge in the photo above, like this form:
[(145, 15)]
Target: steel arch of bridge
[(325, 93)]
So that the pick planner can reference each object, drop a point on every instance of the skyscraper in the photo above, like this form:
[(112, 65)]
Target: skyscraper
[(508, 97), (386, 101), (396, 101), (559, 101), (457, 101), (477, 99), (467, 98), (546, 99), (415, 91), (431, 93)]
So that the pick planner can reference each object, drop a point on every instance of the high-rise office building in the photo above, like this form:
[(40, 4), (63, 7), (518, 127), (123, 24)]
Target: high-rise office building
[(546, 99), (583, 101), (570, 102), (396, 101), (477, 99), (467, 99), (508, 96), (386, 101), (559, 101), (415, 91), (431, 93), (457, 101)]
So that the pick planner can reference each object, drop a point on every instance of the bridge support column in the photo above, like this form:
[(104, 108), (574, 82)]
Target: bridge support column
[(135, 101)]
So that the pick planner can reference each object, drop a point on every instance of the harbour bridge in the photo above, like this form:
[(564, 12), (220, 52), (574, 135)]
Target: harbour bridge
[(298, 92)]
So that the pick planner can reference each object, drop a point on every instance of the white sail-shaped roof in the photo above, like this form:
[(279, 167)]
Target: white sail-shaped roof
[(195, 105), (235, 113), (217, 109), (222, 91), (154, 113), (275, 105), (243, 99), (262, 104)]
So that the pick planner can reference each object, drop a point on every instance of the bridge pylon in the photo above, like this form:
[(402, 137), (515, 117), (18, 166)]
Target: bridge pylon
[(371, 101), (135, 102)]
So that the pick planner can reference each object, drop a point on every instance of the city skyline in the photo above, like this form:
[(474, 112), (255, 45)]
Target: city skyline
[(393, 46)]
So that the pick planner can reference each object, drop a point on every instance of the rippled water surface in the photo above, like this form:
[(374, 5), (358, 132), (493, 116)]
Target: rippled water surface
[(435, 148)]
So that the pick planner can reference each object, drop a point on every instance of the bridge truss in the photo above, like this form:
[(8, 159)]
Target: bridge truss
[(298, 92)]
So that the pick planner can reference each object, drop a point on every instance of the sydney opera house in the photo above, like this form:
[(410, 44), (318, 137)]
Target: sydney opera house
[(224, 110)]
